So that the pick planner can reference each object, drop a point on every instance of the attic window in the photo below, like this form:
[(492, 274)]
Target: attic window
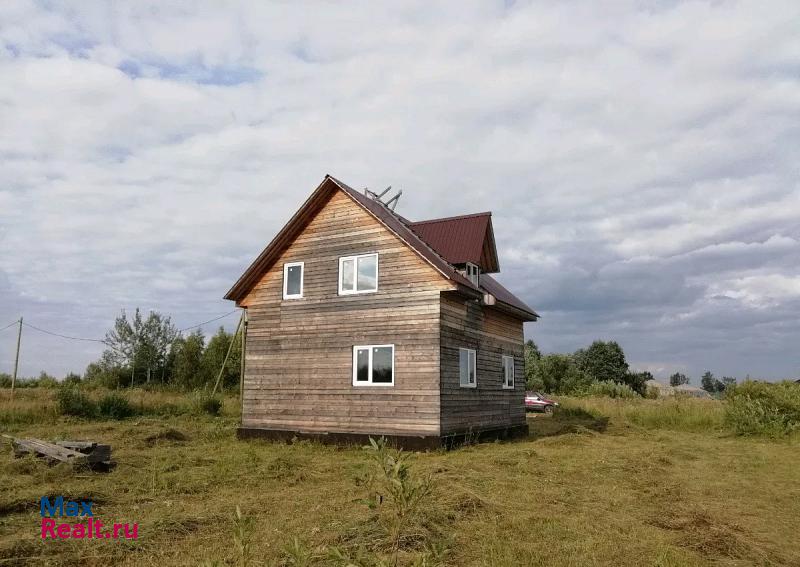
[(473, 274), (293, 280), (358, 274)]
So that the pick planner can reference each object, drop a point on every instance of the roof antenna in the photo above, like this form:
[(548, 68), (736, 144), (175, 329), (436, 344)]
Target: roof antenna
[(391, 203)]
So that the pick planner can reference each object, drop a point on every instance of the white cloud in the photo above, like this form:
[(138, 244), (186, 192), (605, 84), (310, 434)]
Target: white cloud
[(640, 160)]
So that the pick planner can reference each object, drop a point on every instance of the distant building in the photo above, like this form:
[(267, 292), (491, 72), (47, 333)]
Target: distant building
[(665, 391), (693, 391)]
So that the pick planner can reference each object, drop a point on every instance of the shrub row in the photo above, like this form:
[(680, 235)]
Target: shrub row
[(75, 402), (610, 389)]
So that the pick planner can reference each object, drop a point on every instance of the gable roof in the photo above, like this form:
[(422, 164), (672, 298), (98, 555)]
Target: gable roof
[(410, 233), (397, 225), (461, 239)]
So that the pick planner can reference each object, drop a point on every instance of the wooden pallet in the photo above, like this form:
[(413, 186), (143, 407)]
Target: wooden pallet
[(78, 453)]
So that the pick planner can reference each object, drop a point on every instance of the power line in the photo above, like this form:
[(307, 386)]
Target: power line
[(63, 336), (10, 325), (207, 322), (53, 333)]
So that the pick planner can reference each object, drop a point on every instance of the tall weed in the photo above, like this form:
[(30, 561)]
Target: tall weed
[(398, 495), (610, 389), (678, 414), (763, 408)]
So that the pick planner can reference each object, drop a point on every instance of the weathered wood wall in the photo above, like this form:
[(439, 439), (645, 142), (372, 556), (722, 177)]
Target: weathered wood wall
[(492, 334), (299, 352)]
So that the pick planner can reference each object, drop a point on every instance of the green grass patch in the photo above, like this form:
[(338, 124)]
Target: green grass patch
[(677, 414), (600, 482)]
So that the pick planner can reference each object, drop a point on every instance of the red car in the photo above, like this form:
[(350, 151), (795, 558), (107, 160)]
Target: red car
[(534, 401)]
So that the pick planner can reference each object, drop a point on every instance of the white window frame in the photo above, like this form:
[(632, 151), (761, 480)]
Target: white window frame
[(472, 357), (355, 289), (508, 362), (473, 272), (369, 381), (286, 279)]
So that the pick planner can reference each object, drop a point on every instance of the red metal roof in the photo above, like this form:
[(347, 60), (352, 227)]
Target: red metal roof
[(393, 221), (461, 239), (492, 286)]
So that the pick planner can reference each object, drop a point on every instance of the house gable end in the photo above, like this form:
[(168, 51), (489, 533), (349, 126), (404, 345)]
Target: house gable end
[(462, 239), (341, 228), (298, 224)]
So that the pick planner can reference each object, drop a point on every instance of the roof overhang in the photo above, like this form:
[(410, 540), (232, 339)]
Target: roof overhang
[(282, 240)]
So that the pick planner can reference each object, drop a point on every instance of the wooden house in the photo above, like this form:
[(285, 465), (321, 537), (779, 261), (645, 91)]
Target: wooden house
[(363, 323)]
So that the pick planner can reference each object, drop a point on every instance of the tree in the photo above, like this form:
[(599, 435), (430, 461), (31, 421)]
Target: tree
[(638, 381), (678, 379), (727, 382), (188, 360), (711, 384), (71, 379), (603, 361), (158, 333), (559, 374), (141, 343), (107, 371), (214, 356), (532, 357)]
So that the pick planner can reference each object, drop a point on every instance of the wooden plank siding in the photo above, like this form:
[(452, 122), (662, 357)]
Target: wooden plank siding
[(299, 352), (468, 324)]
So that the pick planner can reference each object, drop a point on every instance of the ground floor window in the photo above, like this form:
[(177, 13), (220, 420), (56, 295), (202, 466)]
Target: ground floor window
[(508, 372), (373, 365), (466, 367)]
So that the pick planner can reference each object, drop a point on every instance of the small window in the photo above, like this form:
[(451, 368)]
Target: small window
[(508, 372), (373, 365), (293, 280), (466, 367), (473, 274), (358, 274)]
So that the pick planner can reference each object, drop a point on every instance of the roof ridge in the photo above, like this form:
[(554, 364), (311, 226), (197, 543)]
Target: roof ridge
[(457, 217), (357, 196)]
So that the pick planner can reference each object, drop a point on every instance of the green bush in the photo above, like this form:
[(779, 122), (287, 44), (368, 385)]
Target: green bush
[(610, 389), (763, 408), (206, 403), (557, 374), (652, 393), (44, 381), (115, 406), (72, 401), (71, 379)]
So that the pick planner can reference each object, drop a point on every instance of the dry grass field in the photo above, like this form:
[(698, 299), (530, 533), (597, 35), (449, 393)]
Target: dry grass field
[(601, 482)]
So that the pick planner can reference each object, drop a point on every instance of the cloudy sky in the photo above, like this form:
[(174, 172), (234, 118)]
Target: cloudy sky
[(640, 160)]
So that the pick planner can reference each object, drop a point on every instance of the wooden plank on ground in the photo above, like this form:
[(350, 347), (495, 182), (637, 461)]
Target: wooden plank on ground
[(48, 450)]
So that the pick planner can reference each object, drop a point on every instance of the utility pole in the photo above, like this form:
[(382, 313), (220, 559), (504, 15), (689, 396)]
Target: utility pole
[(227, 354), (16, 359)]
